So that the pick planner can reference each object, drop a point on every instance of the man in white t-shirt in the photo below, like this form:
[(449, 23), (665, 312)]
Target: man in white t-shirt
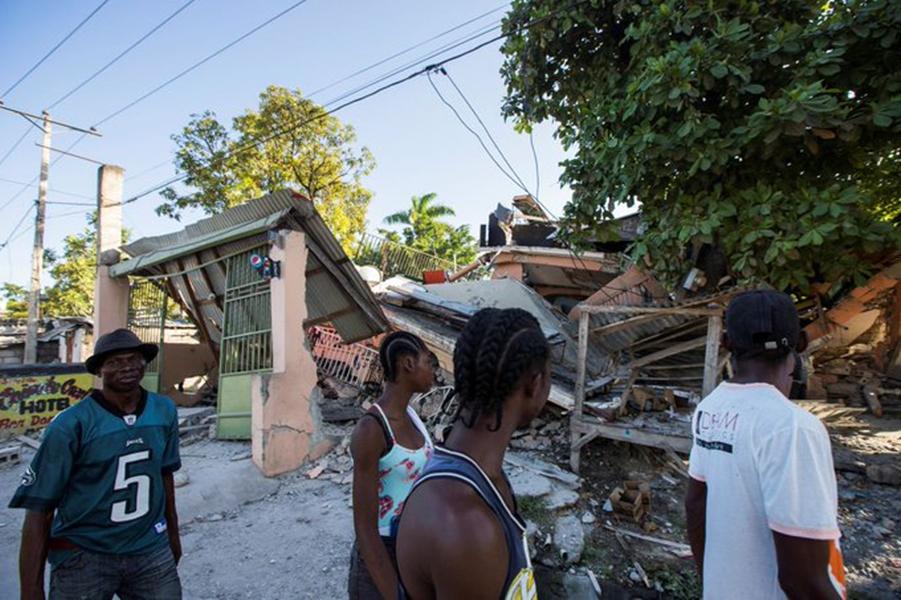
[(762, 503)]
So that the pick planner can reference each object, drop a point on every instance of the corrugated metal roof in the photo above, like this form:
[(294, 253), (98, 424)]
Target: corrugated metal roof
[(193, 256)]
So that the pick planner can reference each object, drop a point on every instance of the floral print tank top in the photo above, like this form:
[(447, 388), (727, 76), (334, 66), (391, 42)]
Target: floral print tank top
[(398, 470)]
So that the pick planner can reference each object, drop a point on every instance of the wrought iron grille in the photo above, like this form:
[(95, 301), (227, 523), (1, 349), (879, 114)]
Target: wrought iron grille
[(247, 326)]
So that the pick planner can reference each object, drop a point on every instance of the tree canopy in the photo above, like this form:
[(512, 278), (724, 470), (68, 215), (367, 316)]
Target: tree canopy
[(424, 230), (770, 129), (316, 157)]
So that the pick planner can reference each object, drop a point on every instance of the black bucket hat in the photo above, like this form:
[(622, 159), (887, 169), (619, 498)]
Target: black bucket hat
[(114, 342)]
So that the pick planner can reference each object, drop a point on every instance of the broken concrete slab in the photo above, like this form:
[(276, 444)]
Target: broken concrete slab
[(569, 538), (542, 467), (562, 498), (527, 484)]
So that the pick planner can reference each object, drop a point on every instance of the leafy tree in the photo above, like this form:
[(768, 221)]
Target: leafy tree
[(16, 301), (769, 129), (317, 158), (424, 230), (72, 292)]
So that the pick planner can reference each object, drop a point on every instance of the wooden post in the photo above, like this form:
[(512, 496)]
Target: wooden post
[(581, 365), (711, 354)]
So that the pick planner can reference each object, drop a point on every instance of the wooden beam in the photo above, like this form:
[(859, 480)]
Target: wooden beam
[(624, 433), (209, 285), (581, 360), (201, 318), (712, 354), (660, 355), (609, 328), (651, 310)]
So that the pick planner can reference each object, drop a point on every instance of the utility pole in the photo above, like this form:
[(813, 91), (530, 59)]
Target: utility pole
[(37, 255)]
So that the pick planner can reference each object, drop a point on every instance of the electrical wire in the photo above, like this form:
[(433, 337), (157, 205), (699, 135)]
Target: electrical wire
[(54, 49), (453, 44), (122, 54), (409, 49), (494, 143), (473, 132), (297, 124), (37, 177), (51, 190), (16, 145), (9, 238), (198, 64), (535, 159)]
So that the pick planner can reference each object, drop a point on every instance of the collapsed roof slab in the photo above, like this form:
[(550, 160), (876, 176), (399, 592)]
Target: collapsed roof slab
[(193, 261)]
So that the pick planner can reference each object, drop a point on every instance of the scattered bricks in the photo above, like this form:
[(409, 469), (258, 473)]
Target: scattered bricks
[(11, 454), (632, 501)]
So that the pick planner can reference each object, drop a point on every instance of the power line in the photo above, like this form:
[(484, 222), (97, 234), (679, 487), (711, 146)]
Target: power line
[(487, 132), (51, 190), (9, 238), (454, 44), (199, 63), (122, 54), (473, 132), (16, 145), (409, 49), (535, 159), (54, 49), (36, 177), (425, 70), (297, 124)]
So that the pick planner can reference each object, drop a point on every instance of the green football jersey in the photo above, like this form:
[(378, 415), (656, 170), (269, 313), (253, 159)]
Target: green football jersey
[(102, 471)]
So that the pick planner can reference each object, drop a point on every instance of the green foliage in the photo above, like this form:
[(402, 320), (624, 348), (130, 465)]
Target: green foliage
[(425, 231), (771, 129), (317, 159), (16, 301), (72, 292)]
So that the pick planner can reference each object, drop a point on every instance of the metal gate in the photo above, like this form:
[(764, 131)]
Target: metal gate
[(246, 346), (147, 319)]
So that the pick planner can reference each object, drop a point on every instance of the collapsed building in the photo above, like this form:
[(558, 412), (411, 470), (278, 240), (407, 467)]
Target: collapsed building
[(290, 323)]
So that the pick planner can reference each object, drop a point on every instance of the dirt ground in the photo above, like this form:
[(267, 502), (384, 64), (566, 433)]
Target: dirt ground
[(868, 513), (246, 536), (243, 536)]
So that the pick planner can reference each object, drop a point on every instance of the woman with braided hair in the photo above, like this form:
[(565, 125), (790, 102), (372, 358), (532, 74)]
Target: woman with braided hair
[(460, 535), (390, 446)]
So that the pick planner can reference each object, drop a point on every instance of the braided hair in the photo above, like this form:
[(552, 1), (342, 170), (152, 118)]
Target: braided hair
[(497, 347), (394, 346)]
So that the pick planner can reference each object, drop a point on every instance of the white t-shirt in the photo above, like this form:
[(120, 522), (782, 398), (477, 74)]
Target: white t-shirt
[(767, 464)]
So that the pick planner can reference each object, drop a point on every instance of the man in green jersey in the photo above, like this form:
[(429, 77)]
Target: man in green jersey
[(99, 492)]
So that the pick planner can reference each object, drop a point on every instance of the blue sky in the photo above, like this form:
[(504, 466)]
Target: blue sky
[(417, 143)]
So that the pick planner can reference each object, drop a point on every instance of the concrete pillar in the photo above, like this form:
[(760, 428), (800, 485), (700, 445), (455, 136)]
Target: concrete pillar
[(285, 420), (110, 293)]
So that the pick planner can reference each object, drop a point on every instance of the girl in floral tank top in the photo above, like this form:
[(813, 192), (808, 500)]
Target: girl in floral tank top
[(390, 446)]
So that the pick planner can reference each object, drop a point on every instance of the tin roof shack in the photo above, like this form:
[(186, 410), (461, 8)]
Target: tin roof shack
[(255, 279), (62, 340)]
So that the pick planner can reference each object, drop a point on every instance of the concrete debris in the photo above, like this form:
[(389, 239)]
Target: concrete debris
[(889, 474), (181, 478), (569, 538), (527, 484), (315, 472), (11, 454), (588, 518), (562, 498), (580, 587)]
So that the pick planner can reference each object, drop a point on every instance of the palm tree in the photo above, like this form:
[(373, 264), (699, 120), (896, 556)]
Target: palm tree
[(423, 212), (425, 230)]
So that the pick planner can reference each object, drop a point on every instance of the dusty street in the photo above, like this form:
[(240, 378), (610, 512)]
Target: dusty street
[(243, 536)]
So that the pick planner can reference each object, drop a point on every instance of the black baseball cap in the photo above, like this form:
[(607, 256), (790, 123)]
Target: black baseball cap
[(762, 323)]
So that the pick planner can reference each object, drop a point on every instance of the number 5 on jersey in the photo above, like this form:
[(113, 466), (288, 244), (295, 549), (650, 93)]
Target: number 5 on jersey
[(119, 512)]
